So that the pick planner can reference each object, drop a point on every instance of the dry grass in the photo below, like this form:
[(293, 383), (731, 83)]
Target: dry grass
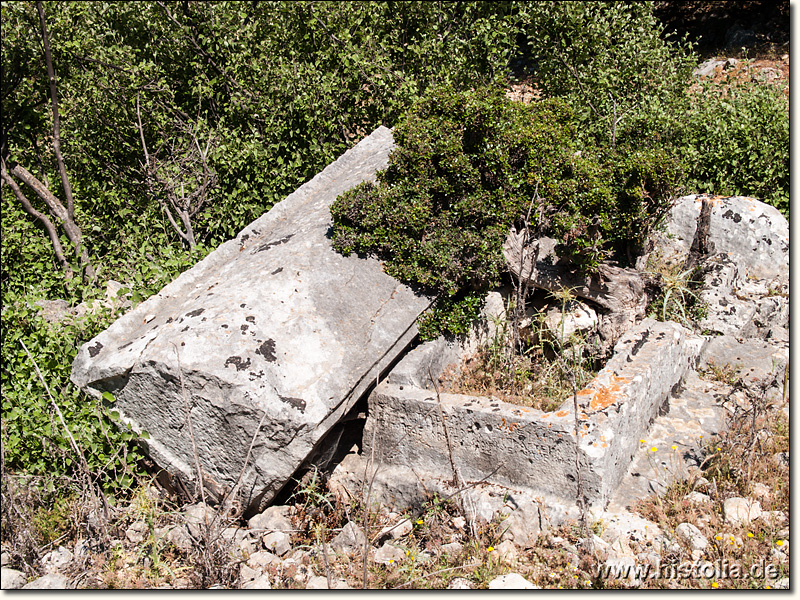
[(740, 463)]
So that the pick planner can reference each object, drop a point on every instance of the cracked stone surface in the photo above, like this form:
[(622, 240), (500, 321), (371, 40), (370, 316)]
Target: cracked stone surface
[(753, 234), (487, 440), (692, 414), (273, 329)]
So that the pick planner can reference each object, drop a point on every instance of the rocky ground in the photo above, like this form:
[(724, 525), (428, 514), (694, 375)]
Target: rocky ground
[(705, 502), (724, 520)]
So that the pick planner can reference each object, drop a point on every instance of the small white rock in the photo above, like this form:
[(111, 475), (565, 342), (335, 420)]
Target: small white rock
[(303, 573), (198, 517), (761, 492), (452, 548), (351, 539), (56, 560), (507, 551), (11, 579), (389, 554), (275, 518), (137, 532), (397, 530), (247, 573), (697, 498), (259, 583), (691, 536), (459, 583), (321, 583), (51, 581), (180, 538), (277, 542), (261, 560), (776, 518), (512, 581), (741, 511)]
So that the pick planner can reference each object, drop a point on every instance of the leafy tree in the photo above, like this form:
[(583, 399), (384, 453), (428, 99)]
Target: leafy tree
[(737, 141), (610, 60), (11, 169)]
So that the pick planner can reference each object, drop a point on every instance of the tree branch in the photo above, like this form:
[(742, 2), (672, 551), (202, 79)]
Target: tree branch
[(48, 59), (57, 209), (43, 219)]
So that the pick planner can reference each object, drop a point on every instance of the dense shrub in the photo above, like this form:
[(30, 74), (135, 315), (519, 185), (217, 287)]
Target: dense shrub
[(611, 63), (737, 141), (471, 164), (34, 440)]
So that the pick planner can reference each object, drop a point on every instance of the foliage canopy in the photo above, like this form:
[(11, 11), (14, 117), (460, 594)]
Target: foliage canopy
[(468, 166)]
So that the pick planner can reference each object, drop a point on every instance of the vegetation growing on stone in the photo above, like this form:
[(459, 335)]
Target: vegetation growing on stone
[(271, 93), (470, 165)]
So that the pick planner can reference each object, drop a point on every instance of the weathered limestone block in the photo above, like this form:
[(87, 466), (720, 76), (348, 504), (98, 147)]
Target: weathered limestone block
[(270, 339), (524, 448), (739, 305), (694, 414), (761, 366), (755, 235)]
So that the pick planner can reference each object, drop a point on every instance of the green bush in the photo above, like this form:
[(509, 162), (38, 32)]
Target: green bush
[(611, 62), (469, 165), (737, 141), (33, 438)]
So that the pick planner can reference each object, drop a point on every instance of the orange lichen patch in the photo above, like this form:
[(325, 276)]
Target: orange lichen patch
[(607, 395), (545, 415), (508, 427), (562, 413), (585, 392)]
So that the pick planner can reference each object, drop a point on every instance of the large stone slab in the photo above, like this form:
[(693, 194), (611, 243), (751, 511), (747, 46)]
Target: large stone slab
[(487, 440), (753, 234), (673, 447), (273, 329)]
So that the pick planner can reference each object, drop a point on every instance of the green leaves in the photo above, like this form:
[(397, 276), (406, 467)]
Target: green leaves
[(737, 141), (610, 61), (33, 439), (469, 165)]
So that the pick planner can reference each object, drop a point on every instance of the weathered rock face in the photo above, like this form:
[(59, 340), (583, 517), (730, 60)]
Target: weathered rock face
[(432, 434), (270, 340), (753, 234), (746, 274)]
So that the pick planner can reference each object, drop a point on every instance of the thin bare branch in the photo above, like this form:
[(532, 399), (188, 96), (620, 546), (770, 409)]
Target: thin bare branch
[(45, 221), (59, 211), (48, 59)]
